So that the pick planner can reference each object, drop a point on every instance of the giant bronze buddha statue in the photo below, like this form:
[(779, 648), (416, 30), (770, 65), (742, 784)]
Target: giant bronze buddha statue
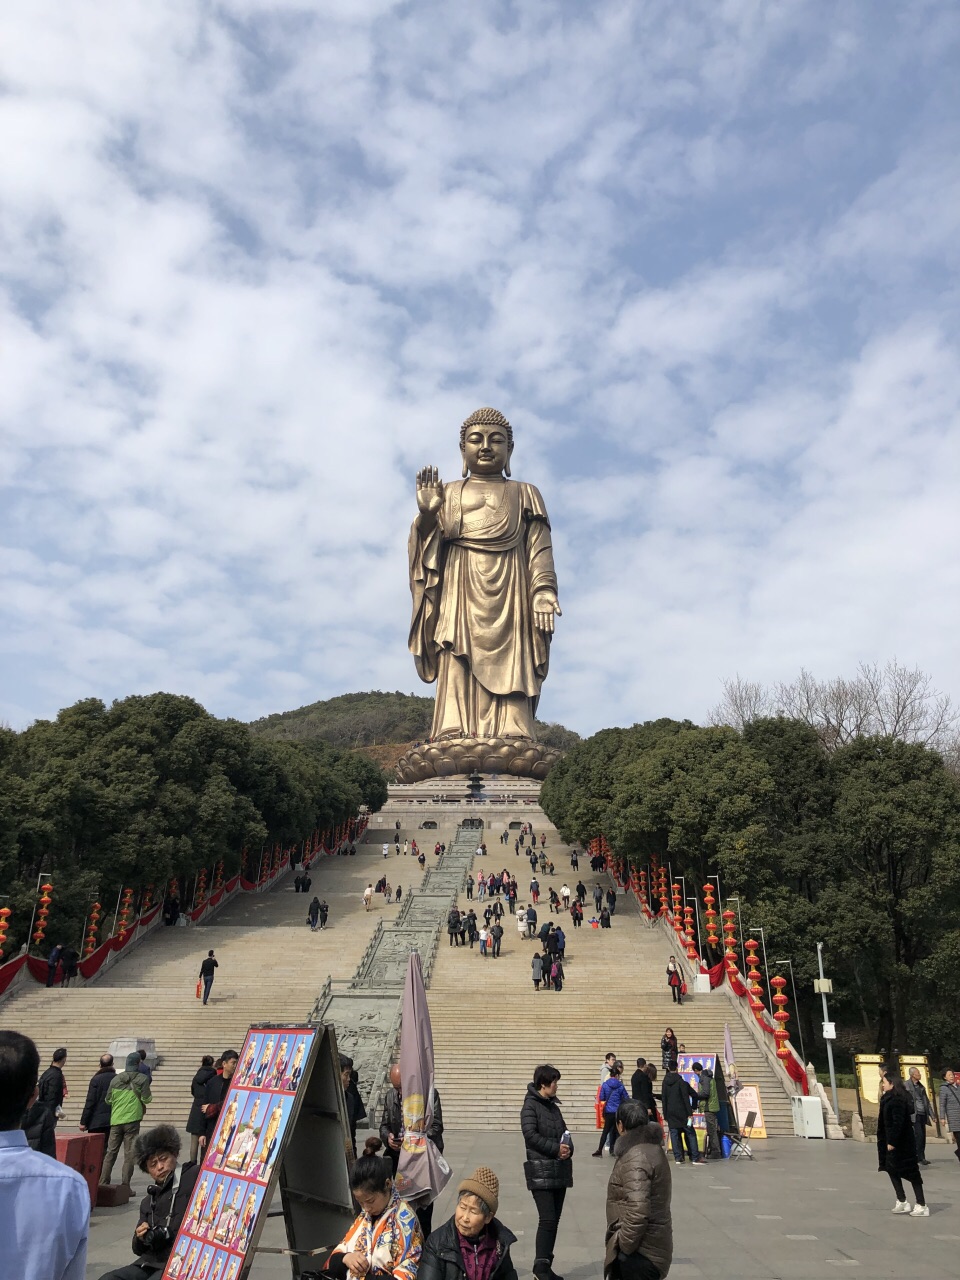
[(484, 602)]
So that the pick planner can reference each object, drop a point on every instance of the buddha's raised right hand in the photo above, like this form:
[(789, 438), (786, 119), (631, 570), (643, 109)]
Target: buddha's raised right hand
[(429, 492)]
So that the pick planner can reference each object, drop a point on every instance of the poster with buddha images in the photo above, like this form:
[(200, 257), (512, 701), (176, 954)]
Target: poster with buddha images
[(219, 1232)]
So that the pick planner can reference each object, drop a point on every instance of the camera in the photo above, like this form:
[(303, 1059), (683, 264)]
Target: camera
[(156, 1238)]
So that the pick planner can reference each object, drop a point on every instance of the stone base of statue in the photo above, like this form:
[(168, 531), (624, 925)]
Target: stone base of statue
[(459, 757)]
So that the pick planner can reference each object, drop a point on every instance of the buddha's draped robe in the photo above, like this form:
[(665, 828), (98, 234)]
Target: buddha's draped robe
[(473, 579)]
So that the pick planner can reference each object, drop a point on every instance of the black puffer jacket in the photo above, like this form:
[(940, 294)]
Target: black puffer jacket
[(894, 1129), (197, 1121), (542, 1126), (442, 1258)]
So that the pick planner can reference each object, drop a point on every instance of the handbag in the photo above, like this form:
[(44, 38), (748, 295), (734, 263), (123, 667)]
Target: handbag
[(683, 988), (199, 988)]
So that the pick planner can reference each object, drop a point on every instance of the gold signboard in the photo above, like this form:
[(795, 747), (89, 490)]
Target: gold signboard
[(868, 1074)]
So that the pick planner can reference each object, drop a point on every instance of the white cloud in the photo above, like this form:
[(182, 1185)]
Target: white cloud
[(259, 261)]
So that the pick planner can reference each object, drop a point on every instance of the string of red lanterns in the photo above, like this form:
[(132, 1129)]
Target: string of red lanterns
[(730, 947), (5, 914), (126, 910), (781, 1017), (753, 978), (46, 891), (93, 925)]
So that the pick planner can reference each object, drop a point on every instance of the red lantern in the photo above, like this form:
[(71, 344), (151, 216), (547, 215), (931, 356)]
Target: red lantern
[(43, 912), (5, 914), (218, 878), (677, 908), (93, 924), (710, 914), (730, 947), (688, 928), (126, 910), (200, 895), (781, 1017), (753, 976)]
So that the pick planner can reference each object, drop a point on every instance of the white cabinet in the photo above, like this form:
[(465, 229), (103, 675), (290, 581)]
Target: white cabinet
[(807, 1117)]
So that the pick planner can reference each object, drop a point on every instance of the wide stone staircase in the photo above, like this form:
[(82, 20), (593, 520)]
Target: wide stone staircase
[(491, 1028), (271, 969)]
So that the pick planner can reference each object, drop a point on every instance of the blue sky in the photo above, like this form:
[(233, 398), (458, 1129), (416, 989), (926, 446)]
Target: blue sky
[(260, 260)]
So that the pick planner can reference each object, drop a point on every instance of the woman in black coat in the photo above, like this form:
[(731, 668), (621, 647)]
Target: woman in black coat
[(197, 1121), (897, 1147), (548, 1168)]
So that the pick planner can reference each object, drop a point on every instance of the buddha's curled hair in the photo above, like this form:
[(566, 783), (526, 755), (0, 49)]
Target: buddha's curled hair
[(486, 418)]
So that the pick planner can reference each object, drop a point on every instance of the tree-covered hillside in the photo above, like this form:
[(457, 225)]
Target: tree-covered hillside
[(130, 795), (857, 847), (355, 720)]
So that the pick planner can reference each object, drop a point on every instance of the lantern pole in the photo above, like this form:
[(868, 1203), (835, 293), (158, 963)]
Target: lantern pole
[(736, 898), (696, 917), (766, 968), (116, 913)]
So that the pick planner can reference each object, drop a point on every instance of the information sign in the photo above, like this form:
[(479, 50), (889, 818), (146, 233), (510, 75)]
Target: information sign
[(747, 1099), (867, 1066)]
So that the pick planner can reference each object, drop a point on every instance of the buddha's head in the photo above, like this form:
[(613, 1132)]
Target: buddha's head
[(486, 443)]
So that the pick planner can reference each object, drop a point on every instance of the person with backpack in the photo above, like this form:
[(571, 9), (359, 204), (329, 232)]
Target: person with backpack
[(612, 1094), (127, 1097), (556, 973)]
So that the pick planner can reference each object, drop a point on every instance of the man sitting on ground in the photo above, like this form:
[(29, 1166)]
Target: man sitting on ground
[(163, 1207)]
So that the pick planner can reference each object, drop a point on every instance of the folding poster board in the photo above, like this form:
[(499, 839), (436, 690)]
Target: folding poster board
[(241, 1165), (747, 1099)]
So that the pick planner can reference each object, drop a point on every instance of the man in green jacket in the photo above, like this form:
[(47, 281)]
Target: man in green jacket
[(127, 1099), (709, 1097)]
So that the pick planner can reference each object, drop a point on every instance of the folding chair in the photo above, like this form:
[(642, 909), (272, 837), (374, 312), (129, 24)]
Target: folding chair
[(738, 1141)]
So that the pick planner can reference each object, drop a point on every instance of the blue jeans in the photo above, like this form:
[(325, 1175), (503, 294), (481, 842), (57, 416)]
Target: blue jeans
[(677, 1138), (207, 984)]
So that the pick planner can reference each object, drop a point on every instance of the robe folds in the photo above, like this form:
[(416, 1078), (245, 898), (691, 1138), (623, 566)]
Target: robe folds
[(473, 579)]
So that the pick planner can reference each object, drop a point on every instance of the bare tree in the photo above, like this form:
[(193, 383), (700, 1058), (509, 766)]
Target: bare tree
[(890, 701), (742, 701)]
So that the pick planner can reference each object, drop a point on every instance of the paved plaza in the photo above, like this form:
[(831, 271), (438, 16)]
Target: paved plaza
[(800, 1211)]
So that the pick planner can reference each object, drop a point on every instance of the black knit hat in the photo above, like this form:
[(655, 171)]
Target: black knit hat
[(155, 1142)]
